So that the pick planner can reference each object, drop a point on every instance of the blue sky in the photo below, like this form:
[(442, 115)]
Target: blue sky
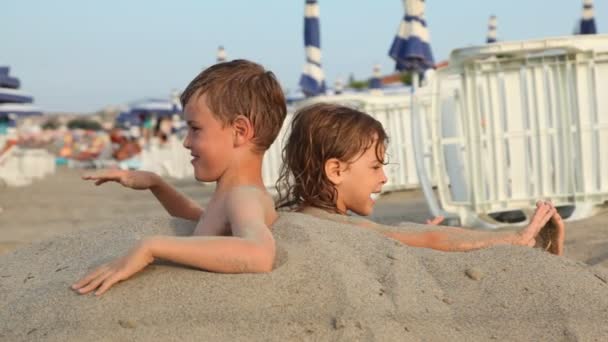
[(83, 55)]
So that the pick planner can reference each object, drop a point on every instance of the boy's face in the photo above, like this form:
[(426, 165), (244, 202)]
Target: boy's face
[(361, 178), (211, 145)]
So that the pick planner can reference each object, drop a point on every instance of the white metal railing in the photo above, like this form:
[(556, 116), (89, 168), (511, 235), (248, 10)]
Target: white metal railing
[(526, 121)]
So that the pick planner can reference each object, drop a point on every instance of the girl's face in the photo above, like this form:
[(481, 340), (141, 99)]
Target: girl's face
[(359, 180)]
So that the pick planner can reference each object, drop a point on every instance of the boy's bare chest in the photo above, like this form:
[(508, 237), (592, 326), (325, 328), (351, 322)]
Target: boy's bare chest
[(213, 222)]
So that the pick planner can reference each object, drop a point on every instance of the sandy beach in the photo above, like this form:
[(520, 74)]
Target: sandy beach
[(330, 282)]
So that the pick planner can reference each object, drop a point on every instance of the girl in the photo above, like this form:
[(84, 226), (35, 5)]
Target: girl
[(333, 162)]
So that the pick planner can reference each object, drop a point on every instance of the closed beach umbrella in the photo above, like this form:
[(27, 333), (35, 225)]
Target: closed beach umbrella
[(588, 21), (312, 80), (376, 82), (411, 51), (411, 47), (338, 86), (492, 25), (221, 54)]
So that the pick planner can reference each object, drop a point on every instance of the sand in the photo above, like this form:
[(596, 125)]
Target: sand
[(331, 281)]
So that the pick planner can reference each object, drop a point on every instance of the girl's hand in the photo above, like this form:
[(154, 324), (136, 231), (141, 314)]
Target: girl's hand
[(138, 180), (551, 237), (543, 214), (435, 221)]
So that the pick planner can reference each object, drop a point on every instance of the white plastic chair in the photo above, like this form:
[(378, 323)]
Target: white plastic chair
[(515, 122)]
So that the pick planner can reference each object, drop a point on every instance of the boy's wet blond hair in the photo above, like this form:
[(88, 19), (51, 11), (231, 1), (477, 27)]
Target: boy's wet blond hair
[(241, 87), (318, 133)]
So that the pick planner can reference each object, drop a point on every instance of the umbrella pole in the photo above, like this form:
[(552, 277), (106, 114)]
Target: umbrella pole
[(419, 151)]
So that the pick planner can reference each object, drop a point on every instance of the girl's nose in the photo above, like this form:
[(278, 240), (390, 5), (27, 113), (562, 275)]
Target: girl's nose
[(384, 178)]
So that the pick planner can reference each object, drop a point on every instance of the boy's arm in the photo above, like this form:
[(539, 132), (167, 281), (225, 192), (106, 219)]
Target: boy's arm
[(174, 202), (252, 249)]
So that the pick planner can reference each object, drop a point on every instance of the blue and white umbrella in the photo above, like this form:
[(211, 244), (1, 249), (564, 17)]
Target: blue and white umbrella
[(492, 25), (9, 95), (411, 47), (7, 81), (411, 50), (338, 86), (19, 109), (221, 55), (376, 82), (312, 80), (587, 25)]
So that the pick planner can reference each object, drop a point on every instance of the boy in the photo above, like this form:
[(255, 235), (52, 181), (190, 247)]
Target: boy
[(333, 163), (234, 112)]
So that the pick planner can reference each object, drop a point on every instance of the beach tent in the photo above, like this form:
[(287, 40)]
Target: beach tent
[(492, 26), (156, 107), (312, 80)]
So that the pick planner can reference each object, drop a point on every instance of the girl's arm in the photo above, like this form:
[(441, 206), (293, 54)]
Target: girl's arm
[(452, 239)]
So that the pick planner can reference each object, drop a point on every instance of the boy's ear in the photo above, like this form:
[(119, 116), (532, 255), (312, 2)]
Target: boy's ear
[(243, 130), (334, 171)]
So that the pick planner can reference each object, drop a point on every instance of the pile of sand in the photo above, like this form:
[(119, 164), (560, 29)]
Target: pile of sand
[(331, 282)]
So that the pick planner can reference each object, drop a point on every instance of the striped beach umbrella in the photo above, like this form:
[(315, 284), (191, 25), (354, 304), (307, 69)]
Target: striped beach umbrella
[(492, 25), (19, 109), (338, 86), (411, 48), (221, 54), (587, 25), (376, 81), (312, 80), (411, 51)]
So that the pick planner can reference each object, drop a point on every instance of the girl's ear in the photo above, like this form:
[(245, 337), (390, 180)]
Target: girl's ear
[(243, 130), (334, 171)]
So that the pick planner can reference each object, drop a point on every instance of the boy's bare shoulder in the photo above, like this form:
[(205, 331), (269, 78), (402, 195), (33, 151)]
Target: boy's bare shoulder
[(244, 199), (247, 193)]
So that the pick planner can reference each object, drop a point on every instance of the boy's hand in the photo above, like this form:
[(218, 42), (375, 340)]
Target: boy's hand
[(120, 269), (138, 180), (435, 221), (545, 217)]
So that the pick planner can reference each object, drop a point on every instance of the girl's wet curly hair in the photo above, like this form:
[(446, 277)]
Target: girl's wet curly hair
[(318, 133)]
